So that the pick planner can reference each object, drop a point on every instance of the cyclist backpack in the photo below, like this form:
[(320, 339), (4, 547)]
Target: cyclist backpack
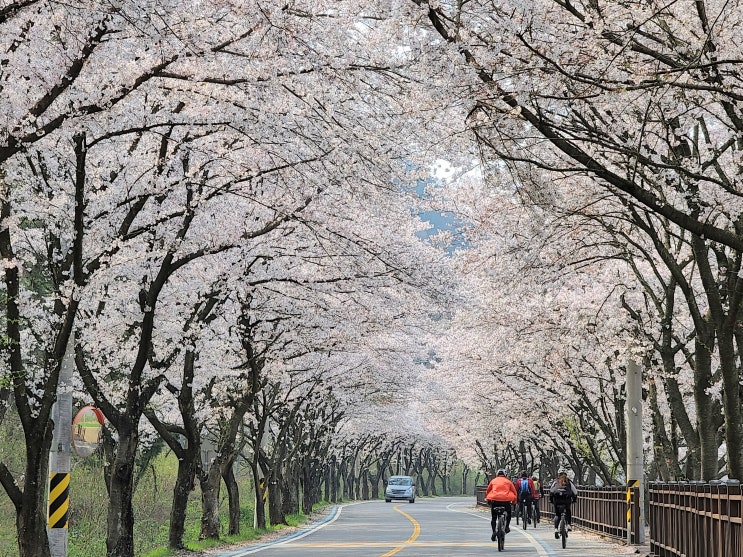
[(524, 486)]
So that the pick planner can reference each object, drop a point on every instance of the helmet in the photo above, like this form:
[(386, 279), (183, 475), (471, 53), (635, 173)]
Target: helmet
[(562, 472), (500, 472), (524, 474)]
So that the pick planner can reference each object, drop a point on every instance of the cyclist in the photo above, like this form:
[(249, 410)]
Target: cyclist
[(562, 494), (500, 493), (526, 492), (539, 490)]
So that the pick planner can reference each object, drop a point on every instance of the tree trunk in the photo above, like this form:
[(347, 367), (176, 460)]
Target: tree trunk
[(665, 457), (444, 482), (188, 453), (348, 480), (290, 492), (275, 512), (364, 484), (210, 484), (667, 454), (706, 415), (30, 504), (259, 483), (120, 523), (374, 486), (731, 398), (686, 427), (31, 517), (233, 495), (334, 481), (307, 489), (184, 485), (328, 481), (227, 451)]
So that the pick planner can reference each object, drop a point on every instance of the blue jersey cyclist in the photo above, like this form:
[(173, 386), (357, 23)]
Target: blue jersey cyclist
[(526, 491)]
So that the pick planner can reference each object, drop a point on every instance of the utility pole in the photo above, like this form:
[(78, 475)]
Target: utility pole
[(635, 464), (59, 457)]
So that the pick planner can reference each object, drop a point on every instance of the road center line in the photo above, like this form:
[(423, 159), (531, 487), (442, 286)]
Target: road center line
[(411, 539)]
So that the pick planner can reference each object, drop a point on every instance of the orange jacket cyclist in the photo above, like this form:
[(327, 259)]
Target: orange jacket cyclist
[(500, 493)]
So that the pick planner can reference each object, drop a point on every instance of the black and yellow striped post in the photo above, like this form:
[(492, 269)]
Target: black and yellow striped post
[(632, 487), (634, 512), (59, 500)]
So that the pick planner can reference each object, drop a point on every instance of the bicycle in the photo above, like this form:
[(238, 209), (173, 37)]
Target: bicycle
[(536, 513), (518, 511), (524, 512), (562, 528), (500, 527)]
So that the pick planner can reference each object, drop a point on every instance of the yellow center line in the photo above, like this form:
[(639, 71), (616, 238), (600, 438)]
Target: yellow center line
[(411, 539), (362, 545)]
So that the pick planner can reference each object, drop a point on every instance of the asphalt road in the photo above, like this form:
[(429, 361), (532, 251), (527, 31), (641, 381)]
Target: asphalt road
[(437, 527)]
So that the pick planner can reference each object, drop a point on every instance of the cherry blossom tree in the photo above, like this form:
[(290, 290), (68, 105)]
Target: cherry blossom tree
[(218, 204), (643, 118), (642, 99), (575, 311), (663, 265), (162, 116), (183, 434), (534, 358), (64, 67)]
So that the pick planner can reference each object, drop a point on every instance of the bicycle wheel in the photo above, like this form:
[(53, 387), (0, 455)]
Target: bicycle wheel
[(563, 532), (501, 533), (524, 514), (517, 512), (537, 515)]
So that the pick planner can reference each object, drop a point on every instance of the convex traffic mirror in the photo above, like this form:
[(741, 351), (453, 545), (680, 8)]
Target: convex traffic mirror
[(87, 431)]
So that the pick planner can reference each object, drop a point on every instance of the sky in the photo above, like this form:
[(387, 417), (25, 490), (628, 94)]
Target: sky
[(439, 221)]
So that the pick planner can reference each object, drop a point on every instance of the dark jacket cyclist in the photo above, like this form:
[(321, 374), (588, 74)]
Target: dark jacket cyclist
[(563, 493)]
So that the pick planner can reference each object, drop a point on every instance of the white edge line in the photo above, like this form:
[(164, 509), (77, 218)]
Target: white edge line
[(332, 517)]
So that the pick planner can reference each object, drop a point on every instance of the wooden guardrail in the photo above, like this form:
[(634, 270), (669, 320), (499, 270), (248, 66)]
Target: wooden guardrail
[(686, 519), (696, 519), (598, 509)]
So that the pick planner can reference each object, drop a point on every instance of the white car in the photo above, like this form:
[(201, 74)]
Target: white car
[(400, 487)]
